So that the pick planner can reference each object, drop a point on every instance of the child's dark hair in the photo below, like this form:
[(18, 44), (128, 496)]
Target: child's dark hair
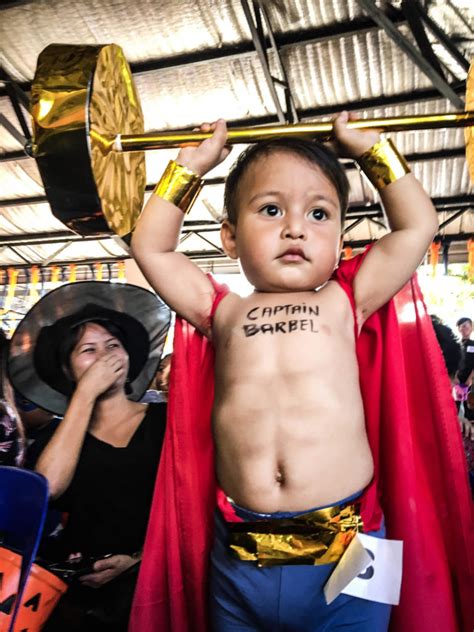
[(311, 151), (449, 344)]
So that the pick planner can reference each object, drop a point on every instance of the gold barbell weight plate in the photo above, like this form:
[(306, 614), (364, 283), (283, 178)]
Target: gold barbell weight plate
[(81, 97)]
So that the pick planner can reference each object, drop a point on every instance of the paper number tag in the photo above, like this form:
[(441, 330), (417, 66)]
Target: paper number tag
[(382, 579), (371, 568)]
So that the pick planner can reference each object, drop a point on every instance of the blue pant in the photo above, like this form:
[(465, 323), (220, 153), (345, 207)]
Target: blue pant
[(287, 598)]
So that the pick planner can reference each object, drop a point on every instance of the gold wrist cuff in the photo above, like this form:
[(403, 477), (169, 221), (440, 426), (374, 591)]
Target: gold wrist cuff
[(383, 164), (179, 185)]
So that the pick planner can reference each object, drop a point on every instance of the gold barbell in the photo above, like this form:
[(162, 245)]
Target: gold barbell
[(88, 136)]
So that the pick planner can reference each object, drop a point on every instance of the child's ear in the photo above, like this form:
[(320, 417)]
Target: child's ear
[(228, 239)]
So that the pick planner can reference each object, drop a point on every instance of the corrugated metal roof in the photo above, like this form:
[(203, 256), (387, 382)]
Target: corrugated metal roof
[(195, 61)]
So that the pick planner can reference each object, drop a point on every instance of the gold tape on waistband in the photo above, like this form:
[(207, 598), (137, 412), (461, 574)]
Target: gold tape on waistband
[(317, 537)]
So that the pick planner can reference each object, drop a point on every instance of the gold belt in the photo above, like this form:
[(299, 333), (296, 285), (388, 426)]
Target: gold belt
[(317, 537)]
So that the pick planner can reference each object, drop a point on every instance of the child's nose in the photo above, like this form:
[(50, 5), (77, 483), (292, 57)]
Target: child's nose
[(294, 227)]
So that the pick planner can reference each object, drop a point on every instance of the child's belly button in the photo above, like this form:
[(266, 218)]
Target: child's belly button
[(279, 477)]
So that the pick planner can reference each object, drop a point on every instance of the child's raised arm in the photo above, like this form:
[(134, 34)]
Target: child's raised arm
[(177, 280), (411, 215)]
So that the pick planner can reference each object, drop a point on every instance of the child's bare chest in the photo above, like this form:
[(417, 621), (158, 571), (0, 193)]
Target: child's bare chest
[(289, 324)]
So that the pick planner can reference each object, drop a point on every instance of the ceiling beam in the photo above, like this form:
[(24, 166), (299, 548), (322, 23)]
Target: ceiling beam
[(12, 130), (256, 21), (438, 81), (445, 40), (360, 243), (79, 262), (11, 156), (13, 87), (415, 15)]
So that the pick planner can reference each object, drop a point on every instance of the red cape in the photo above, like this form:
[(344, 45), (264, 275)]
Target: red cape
[(420, 476)]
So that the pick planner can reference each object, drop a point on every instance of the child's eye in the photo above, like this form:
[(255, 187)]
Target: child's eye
[(87, 349), (270, 210), (318, 214), (113, 345)]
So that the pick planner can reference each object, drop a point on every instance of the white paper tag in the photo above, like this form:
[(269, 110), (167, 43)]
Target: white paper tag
[(354, 560), (381, 580)]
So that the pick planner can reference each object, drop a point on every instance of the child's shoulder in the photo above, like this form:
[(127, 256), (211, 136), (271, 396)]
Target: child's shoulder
[(229, 304)]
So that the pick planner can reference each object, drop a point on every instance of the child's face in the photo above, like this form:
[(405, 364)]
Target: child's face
[(288, 233)]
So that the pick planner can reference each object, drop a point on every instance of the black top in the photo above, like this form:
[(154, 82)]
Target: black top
[(109, 498), (467, 360)]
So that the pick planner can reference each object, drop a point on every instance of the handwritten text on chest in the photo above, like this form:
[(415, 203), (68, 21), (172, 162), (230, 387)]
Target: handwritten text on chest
[(287, 324)]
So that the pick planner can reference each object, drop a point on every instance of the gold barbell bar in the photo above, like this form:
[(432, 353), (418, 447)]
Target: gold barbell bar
[(161, 140)]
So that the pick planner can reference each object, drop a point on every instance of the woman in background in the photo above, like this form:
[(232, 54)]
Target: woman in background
[(12, 438), (87, 351)]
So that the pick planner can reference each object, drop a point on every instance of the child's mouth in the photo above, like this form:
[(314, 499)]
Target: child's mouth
[(293, 255)]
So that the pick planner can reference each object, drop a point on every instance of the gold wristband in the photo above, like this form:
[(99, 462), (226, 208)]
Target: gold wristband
[(179, 185), (383, 164)]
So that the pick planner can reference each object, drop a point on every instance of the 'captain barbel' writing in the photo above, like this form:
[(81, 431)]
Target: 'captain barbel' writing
[(283, 326)]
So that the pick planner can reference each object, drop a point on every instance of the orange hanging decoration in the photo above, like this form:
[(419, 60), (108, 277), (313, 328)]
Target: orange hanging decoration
[(99, 271), (55, 274), (72, 272), (121, 271), (347, 253), (470, 259), (12, 281), (434, 255), (34, 295)]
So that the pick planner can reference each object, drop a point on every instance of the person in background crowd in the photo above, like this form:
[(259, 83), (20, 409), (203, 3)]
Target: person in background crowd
[(34, 418), (12, 439), (91, 365), (466, 366), (160, 385), (452, 352), (163, 375), (464, 326)]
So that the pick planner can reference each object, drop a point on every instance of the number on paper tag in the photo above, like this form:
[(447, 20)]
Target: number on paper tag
[(382, 579), (371, 568)]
